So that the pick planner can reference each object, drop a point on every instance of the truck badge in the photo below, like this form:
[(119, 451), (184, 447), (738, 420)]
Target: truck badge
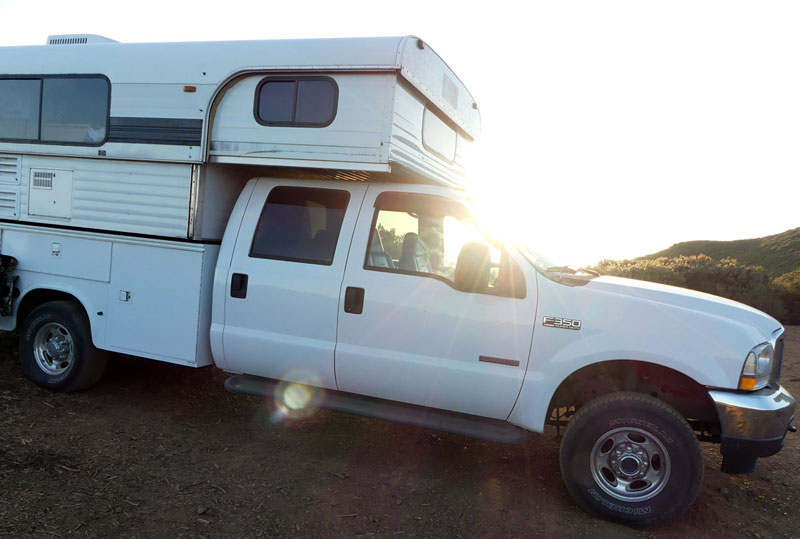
[(563, 323)]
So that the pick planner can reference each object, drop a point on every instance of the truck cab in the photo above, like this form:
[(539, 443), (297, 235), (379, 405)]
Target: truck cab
[(390, 301)]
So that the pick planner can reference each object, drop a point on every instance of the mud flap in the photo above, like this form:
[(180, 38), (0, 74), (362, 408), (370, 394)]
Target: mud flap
[(8, 284)]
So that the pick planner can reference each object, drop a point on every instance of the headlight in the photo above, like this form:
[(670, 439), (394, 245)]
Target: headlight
[(757, 367)]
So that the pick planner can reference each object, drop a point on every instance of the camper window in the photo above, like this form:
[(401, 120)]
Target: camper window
[(74, 110), (19, 109), (61, 109), (438, 136), (300, 224), (296, 102)]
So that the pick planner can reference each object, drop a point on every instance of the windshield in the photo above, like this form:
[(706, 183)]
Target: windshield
[(499, 236), (540, 261)]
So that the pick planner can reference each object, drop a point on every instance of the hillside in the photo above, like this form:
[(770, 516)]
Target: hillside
[(779, 253)]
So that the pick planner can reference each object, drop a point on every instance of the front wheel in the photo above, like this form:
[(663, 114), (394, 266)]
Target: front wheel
[(631, 458), (56, 350)]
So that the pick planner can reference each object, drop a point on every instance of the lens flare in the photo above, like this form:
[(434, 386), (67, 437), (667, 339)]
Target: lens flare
[(297, 399)]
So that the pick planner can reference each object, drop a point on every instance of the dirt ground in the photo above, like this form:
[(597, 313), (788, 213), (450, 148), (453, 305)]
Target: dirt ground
[(157, 450)]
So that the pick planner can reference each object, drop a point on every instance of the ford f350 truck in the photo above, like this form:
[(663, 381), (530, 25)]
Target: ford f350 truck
[(291, 213)]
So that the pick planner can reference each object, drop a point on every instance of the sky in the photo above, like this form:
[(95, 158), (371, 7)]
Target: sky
[(610, 129)]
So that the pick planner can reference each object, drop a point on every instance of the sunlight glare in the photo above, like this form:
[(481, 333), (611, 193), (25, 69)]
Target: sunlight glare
[(297, 400)]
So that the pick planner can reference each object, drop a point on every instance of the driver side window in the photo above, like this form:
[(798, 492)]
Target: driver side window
[(434, 237)]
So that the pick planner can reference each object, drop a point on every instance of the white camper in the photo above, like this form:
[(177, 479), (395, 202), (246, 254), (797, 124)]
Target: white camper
[(292, 212)]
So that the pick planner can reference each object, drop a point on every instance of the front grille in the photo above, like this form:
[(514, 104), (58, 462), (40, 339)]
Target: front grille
[(777, 362)]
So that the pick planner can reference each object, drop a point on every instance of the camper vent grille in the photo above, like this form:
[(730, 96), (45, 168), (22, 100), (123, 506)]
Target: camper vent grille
[(77, 39), (67, 41), (9, 202), (43, 180), (9, 169)]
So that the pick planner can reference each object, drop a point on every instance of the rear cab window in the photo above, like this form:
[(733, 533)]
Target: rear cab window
[(300, 224)]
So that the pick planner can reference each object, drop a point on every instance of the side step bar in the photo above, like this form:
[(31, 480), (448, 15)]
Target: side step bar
[(492, 430)]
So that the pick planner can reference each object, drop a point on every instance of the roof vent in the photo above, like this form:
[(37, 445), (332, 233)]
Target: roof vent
[(78, 39)]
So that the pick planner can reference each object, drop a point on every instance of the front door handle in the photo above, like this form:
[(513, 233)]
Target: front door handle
[(354, 300), (239, 285)]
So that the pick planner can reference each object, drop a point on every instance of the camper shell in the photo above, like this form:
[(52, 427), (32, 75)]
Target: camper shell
[(194, 121)]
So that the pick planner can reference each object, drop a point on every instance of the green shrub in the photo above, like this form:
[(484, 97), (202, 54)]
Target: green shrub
[(788, 286), (751, 285)]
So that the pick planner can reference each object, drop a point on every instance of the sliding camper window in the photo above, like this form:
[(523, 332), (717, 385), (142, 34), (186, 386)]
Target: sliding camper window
[(296, 101), (438, 137), (19, 109), (300, 224), (55, 109)]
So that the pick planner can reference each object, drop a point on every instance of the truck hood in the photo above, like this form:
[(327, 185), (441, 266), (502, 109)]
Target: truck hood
[(684, 298)]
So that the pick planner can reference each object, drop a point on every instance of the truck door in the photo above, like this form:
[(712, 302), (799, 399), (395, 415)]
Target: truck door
[(432, 313), (283, 283)]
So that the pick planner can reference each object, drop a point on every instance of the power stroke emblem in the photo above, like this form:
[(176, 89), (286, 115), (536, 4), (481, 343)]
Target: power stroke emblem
[(562, 323)]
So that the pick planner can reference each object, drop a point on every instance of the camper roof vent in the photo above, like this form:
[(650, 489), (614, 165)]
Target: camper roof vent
[(77, 39)]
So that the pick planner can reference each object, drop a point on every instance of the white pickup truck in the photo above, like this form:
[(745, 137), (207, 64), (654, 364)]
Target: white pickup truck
[(349, 272), (386, 300)]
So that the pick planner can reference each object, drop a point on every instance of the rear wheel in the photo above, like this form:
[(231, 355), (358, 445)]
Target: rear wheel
[(56, 350), (631, 458)]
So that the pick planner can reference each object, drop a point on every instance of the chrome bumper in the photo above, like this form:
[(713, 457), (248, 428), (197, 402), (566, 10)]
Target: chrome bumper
[(754, 424)]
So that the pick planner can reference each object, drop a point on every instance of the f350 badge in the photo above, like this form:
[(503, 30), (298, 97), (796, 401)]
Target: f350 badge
[(563, 323)]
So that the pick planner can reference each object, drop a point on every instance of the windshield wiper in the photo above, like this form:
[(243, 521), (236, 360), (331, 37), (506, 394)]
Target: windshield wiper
[(567, 269), (562, 269)]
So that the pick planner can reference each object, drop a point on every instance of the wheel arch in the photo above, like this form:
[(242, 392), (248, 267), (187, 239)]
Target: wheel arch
[(32, 298), (690, 398)]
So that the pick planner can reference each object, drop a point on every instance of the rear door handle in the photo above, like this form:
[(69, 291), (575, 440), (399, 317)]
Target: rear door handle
[(239, 285), (354, 300)]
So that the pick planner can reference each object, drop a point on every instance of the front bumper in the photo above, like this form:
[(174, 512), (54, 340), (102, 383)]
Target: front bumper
[(753, 424)]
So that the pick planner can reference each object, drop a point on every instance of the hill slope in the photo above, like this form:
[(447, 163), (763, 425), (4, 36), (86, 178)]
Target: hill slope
[(779, 253)]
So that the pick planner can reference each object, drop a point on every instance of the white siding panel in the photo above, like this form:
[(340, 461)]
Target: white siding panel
[(125, 196), (406, 142), (160, 100), (357, 134)]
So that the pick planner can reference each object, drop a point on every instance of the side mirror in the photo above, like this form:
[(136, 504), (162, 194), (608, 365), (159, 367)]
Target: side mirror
[(472, 268), (510, 280)]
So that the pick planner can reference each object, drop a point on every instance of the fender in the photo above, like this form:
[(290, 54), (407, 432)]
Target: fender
[(703, 337), (91, 295)]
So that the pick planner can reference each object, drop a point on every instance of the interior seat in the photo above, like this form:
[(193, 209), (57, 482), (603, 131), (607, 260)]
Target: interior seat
[(414, 257)]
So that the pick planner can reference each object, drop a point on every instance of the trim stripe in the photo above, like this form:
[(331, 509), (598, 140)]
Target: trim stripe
[(169, 131), (499, 361)]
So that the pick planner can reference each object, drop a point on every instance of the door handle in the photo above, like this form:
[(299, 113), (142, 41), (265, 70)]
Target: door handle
[(239, 285), (354, 300)]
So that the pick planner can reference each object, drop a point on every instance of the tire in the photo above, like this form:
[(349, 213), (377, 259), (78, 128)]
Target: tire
[(56, 350), (632, 459)]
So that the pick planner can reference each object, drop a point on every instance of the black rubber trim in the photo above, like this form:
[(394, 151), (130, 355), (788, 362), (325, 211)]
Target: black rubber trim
[(166, 131), (493, 430), (740, 447)]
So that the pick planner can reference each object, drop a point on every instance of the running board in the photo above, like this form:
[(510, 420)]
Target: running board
[(492, 430)]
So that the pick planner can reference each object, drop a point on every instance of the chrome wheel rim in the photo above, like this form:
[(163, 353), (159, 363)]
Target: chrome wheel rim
[(630, 464), (53, 349)]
